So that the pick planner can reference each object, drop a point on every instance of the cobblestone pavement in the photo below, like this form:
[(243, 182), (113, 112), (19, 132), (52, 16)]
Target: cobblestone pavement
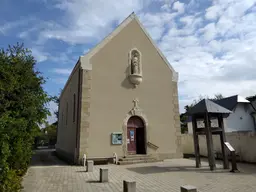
[(165, 176)]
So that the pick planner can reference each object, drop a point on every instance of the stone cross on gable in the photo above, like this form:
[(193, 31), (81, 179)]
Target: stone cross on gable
[(135, 102)]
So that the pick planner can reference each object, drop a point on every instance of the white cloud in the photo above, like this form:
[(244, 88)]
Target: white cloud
[(61, 81), (39, 55), (62, 71), (187, 19), (87, 21), (8, 26), (213, 12), (209, 32), (156, 23), (212, 48), (216, 55), (178, 6)]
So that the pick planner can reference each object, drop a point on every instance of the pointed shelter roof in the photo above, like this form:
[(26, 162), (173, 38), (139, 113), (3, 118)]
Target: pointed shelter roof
[(209, 106)]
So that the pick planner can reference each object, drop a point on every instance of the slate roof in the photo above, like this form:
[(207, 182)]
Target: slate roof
[(209, 106), (230, 102)]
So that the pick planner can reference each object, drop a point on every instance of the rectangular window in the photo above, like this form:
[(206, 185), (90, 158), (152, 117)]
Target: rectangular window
[(67, 114), (74, 107)]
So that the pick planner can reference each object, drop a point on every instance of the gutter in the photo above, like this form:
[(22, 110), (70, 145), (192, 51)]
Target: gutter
[(253, 107), (71, 74), (78, 114)]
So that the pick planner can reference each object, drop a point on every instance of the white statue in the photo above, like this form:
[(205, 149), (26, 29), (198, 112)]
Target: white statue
[(84, 160), (115, 158), (135, 62)]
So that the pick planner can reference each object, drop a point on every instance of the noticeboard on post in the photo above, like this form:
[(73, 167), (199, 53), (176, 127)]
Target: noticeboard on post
[(230, 148)]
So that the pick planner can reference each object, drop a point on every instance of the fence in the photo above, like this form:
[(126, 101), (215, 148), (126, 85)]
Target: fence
[(243, 142)]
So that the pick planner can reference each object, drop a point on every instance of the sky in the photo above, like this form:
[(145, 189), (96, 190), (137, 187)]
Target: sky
[(211, 44)]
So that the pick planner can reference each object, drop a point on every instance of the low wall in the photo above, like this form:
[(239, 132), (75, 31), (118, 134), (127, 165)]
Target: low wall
[(243, 143)]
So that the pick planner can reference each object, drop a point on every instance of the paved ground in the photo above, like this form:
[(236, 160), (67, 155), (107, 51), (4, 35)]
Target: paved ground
[(48, 174)]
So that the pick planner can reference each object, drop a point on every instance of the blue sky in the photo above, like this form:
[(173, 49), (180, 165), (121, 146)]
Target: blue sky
[(212, 44)]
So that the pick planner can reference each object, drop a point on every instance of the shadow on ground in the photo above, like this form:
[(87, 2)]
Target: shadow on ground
[(204, 169), (92, 181), (45, 157), (157, 169), (82, 171)]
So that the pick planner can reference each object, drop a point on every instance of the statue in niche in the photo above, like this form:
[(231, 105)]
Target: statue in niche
[(135, 62)]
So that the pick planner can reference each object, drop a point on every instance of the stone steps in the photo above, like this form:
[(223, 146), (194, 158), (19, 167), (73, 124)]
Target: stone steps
[(134, 159)]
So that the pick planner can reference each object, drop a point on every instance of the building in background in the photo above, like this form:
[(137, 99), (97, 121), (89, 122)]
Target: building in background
[(242, 119)]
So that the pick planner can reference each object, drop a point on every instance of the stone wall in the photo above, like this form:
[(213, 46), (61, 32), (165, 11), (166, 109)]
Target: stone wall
[(85, 112), (67, 121), (243, 143)]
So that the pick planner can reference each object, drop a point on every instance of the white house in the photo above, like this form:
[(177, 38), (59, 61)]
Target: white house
[(242, 118)]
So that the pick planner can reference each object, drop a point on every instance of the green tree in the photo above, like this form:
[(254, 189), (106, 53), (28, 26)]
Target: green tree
[(51, 131), (56, 99), (22, 109), (217, 97), (251, 98)]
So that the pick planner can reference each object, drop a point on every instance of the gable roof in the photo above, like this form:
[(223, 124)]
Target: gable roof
[(230, 102), (84, 61), (209, 106), (100, 45)]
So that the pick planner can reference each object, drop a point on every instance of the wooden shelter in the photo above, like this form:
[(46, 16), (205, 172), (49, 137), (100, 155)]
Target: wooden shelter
[(207, 110)]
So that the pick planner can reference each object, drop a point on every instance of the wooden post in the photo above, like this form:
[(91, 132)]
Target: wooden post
[(89, 166), (209, 141), (196, 142), (234, 166), (233, 157), (222, 140), (103, 175), (129, 186), (224, 151)]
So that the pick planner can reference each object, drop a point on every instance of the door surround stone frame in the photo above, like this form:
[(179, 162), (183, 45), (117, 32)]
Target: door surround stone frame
[(135, 111)]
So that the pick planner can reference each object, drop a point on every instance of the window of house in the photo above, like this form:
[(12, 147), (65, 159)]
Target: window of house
[(74, 107)]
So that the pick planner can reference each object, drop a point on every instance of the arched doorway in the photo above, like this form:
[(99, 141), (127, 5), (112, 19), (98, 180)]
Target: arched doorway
[(136, 136)]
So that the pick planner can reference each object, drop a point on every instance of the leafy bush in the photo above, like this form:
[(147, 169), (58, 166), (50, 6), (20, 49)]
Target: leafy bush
[(10, 181), (22, 109)]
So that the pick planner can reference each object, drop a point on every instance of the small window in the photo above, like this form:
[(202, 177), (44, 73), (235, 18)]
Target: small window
[(74, 107)]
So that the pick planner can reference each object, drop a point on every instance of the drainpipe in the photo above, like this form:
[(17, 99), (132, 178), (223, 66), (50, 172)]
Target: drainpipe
[(253, 117), (78, 114), (254, 120), (253, 106)]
